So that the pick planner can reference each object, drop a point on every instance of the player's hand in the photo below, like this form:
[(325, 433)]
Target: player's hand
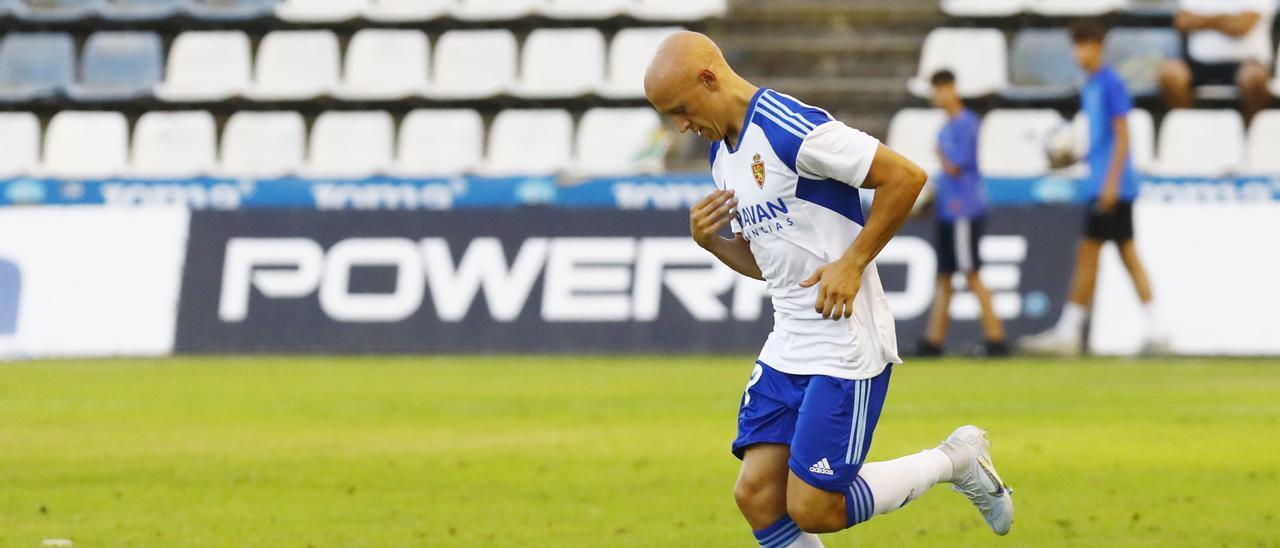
[(1107, 200), (838, 283), (710, 215)]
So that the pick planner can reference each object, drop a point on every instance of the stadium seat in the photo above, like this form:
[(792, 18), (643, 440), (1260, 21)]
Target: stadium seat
[(561, 63), (1262, 154), (1042, 67), (619, 142), (1200, 143), (983, 8), (141, 10), (173, 145), (493, 10), (439, 143), (118, 66), (459, 52), (206, 66), (584, 9), (35, 65), (295, 65), (59, 10), (320, 11), (914, 134), (263, 144), (20, 141), (529, 142), (407, 10), (231, 10), (678, 10), (385, 64), (1074, 8), (1142, 137), (350, 145), (629, 56), (978, 57), (1137, 53), (1011, 143), (1275, 82), (86, 145)]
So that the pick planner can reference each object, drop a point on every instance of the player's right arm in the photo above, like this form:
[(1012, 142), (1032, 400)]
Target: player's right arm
[(1234, 25), (707, 218)]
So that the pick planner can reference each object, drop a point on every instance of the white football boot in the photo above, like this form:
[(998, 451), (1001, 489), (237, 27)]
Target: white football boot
[(1051, 343), (974, 475)]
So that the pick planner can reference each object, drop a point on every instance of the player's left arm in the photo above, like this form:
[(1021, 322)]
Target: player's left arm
[(1110, 193), (897, 182)]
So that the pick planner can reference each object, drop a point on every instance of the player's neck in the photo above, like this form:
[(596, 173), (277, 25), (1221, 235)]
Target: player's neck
[(742, 92), (954, 109)]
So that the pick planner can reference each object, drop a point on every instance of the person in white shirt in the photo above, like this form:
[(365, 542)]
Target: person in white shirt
[(1228, 43), (788, 177)]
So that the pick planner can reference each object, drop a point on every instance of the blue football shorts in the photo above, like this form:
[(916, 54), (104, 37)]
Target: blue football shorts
[(827, 421)]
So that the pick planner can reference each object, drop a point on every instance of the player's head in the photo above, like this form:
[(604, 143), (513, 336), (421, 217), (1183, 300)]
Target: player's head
[(690, 81), (1088, 35), (944, 90)]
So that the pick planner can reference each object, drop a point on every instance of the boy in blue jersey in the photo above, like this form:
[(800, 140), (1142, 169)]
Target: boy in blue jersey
[(1111, 187), (788, 177), (961, 204)]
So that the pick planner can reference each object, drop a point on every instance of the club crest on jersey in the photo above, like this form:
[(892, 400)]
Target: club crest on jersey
[(757, 169)]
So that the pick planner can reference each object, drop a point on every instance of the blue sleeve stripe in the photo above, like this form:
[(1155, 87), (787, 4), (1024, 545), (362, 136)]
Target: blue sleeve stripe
[(787, 127), (778, 107)]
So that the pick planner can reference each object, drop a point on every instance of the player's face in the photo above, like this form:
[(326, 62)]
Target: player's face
[(1088, 54), (943, 95), (690, 108)]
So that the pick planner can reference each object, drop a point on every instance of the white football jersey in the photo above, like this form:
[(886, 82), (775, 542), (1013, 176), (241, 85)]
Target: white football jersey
[(796, 174)]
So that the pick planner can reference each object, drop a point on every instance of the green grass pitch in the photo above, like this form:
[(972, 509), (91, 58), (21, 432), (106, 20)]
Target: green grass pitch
[(605, 451)]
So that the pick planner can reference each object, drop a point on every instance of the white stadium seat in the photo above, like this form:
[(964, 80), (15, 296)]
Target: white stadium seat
[(529, 142), (584, 9), (295, 65), (350, 145), (561, 63), (86, 145), (1275, 82), (1011, 143), (174, 145), (978, 57), (1075, 8), (407, 10), (1262, 155), (263, 144), (493, 10), (1203, 143), (983, 8), (385, 64), (206, 66), (458, 53), (629, 56), (439, 143), (913, 133), (320, 11), (1142, 137), (619, 141), (678, 10), (20, 141)]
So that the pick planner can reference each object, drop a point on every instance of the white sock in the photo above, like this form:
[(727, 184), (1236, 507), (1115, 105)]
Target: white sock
[(806, 540), (1154, 330), (896, 482), (1072, 320)]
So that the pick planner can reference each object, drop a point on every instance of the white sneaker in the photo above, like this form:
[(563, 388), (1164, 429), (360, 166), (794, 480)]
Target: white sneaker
[(1155, 347), (1051, 343), (974, 475)]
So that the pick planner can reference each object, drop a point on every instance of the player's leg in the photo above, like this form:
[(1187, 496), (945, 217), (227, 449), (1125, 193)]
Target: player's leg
[(992, 327), (1251, 82), (766, 423), (1175, 84), (939, 317), (1064, 338)]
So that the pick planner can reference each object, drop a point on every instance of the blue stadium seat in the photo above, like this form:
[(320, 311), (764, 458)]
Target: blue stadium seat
[(231, 10), (35, 65), (59, 10), (142, 10), (118, 66), (1042, 67), (1137, 53)]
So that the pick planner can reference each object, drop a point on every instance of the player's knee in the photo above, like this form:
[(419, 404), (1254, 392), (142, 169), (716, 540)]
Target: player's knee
[(1174, 75), (1251, 77), (752, 493), (813, 516)]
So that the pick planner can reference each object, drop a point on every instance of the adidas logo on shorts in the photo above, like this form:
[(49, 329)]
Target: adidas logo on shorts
[(822, 468)]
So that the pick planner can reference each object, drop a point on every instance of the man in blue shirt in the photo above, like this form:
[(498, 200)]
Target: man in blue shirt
[(962, 206), (1111, 187)]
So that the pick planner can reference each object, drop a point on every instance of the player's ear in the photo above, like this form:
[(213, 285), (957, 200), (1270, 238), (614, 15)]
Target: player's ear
[(709, 79)]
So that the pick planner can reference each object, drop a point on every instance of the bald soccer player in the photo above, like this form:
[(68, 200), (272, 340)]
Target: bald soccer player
[(788, 177)]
